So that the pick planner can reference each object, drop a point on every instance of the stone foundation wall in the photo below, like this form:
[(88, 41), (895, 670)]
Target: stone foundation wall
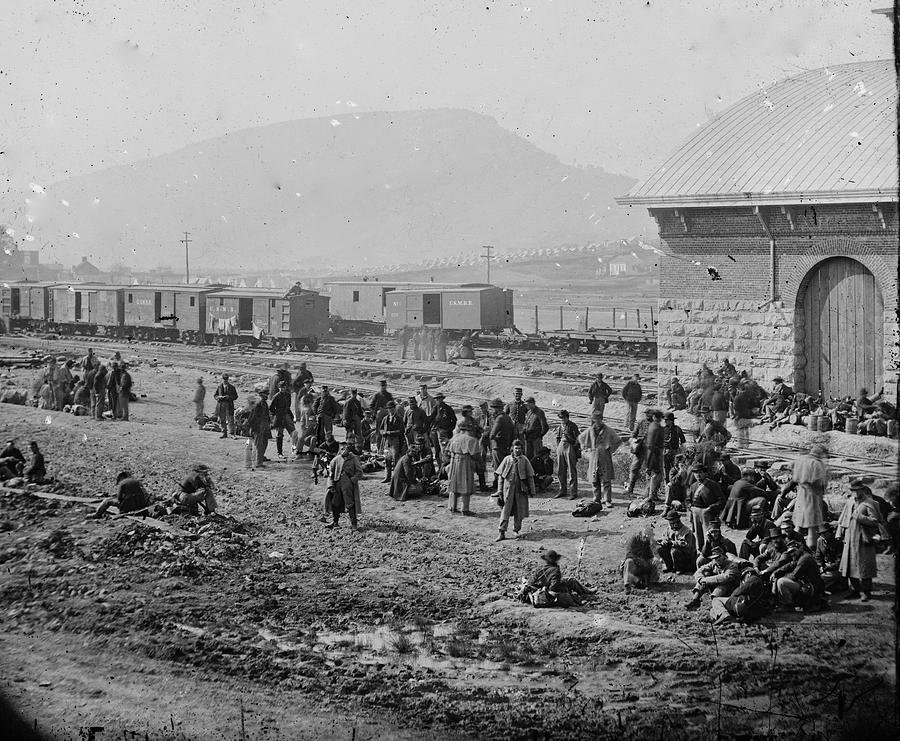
[(691, 332)]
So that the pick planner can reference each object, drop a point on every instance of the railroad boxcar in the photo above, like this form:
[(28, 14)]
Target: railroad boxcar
[(456, 309), (166, 312), (294, 319), (26, 305), (367, 300), (87, 308)]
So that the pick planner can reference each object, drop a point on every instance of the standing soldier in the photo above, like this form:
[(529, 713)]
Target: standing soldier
[(98, 392), (199, 399), (517, 410), (502, 434), (87, 362), (379, 406), (415, 421), (638, 444), (260, 424), (443, 422), (673, 439), (282, 419), (403, 341), (442, 340), (535, 428), (225, 396), (306, 397), (599, 394), (281, 374), (655, 447), (632, 393), (516, 478), (125, 384), (62, 383), (299, 386), (393, 441), (326, 409), (353, 415), (601, 441), (112, 389), (567, 456), (426, 401)]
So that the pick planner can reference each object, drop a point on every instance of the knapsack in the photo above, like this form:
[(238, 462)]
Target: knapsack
[(587, 509), (641, 508)]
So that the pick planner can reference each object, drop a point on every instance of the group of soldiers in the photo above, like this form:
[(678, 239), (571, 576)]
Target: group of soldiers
[(95, 390), (428, 343)]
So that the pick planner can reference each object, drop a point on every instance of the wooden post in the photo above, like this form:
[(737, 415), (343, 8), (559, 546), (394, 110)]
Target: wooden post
[(536, 327), (639, 318), (560, 317), (652, 320), (614, 317), (586, 311)]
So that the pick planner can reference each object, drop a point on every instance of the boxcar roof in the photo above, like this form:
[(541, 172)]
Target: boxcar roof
[(32, 283), (178, 288), (468, 288), (230, 291), (391, 283)]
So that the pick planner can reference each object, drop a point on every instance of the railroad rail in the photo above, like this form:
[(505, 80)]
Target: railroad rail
[(778, 452)]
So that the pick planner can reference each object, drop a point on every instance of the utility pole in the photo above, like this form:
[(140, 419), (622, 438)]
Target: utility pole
[(186, 241), (488, 249)]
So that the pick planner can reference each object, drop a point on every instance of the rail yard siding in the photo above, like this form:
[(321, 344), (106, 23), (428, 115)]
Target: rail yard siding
[(705, 320)]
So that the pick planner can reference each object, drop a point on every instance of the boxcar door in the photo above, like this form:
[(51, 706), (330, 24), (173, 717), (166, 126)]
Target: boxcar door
[(245, 314), (14, 301), (431, 308)]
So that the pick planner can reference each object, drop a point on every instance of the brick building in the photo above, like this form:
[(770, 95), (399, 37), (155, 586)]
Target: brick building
[(779, 235)]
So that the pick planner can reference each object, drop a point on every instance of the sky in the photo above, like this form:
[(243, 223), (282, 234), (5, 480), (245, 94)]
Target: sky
[(89, 84)]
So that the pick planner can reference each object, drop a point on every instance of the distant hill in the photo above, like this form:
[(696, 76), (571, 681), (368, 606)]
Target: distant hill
[(358, 189)]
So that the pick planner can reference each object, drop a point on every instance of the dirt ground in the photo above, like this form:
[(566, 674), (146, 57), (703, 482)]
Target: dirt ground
[(263, 625)]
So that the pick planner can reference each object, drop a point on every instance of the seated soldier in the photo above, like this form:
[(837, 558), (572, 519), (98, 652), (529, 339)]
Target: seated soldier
[(714, 539), (725, 472), (678, 547), (559, 592), (737, 508), (542, 464), (197, 489), (36, 471), (11, 457), (323, 453), (366, 429), (719, 578), (760, 525), (405, 479), (789, 530), (772, 554), (423, 460), (130, 496), (798, 581)]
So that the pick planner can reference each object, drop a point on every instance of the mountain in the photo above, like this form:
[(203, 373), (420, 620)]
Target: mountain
[(357, 189)]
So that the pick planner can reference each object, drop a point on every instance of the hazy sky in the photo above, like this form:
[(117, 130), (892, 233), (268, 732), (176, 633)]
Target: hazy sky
[(619, 83)]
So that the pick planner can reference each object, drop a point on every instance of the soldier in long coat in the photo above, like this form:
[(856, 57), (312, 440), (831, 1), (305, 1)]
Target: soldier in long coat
[(516, 477), (810, 477), (260, 424), (344, 473), (600, 442), (860, 520), (464, 451)]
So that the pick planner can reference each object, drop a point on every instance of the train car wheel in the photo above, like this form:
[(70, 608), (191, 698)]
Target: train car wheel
[(593, 347), (573, 347), (312, 344)]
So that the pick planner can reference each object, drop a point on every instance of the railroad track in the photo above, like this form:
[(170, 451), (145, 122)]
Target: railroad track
[(236, 362)]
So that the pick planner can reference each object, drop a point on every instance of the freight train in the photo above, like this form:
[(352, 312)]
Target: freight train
[(212, 314)]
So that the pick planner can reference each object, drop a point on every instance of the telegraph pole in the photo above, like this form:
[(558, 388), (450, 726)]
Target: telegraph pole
[(186, 241), (488, 249)]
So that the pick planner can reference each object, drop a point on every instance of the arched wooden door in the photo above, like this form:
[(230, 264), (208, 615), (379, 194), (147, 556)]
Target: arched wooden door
[(844, 328)]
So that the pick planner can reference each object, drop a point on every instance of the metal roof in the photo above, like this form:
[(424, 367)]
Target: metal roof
[(231, 291), (825, 136), (173, 287), (469, 288)]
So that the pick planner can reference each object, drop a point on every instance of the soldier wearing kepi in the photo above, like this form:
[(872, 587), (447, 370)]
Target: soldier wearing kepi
[(282, 418), (225, 396), (567, 456), (517, 409), (599, 394), (393, 440), (502, 434), (379, 406)]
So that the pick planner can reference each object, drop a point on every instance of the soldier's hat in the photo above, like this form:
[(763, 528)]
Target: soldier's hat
[(530, 400), (465, 407), (439, 395), (669, 415), (656, 413), (673, 514), (757, 509), (714, 525), (860, 482), (562, 413), (518, 389), (773, 533), (383, 382), (551, 556), (717, 550), (496, 404), (392, 404)]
